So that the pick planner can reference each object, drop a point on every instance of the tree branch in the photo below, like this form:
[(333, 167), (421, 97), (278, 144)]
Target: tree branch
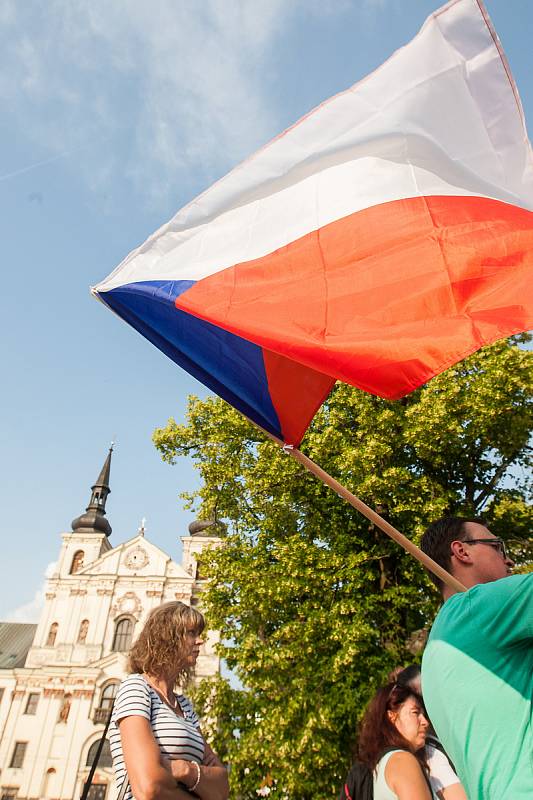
[(485, 494)]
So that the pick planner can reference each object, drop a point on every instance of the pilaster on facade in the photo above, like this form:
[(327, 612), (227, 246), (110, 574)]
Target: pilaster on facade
[(91, 546), (76, 662), (193, 548), (54, 708)]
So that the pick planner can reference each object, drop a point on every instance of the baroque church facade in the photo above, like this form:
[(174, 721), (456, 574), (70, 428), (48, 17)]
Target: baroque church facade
[(58, 678)]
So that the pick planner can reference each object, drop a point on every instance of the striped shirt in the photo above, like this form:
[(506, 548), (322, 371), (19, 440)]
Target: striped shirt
[(177, 737)]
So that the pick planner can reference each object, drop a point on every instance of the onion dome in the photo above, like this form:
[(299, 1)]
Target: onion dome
[(207, 527)]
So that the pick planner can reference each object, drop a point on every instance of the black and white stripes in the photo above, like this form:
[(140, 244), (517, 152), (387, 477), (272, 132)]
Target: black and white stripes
[(177, 737)]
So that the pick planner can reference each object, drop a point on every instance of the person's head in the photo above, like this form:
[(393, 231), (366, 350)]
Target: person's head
[(467, 549), (395, 717), (408, 676), (169, 642)]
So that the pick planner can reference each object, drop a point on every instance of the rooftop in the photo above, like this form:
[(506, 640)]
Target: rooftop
[(15, 640)]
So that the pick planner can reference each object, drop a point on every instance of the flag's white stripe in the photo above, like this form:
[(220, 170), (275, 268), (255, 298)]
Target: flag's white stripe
[(438, 118), (259, 228)]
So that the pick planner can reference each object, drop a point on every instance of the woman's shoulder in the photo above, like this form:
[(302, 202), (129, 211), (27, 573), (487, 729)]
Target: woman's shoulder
[(399, 761), (401, 757), (394, 754), (134, 680), (384, 776), (403, 769), (133, 684), (132, 698)]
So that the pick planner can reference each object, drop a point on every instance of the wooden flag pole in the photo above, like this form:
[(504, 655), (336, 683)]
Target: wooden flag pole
[(369, 513)]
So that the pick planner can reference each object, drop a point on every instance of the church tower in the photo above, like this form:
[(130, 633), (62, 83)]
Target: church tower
[(55, 703), (90, 531), (83, 545)]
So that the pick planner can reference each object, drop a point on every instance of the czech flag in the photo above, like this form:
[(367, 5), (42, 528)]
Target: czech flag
[(381, 239)]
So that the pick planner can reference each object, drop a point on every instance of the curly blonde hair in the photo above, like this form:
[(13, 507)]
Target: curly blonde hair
[(159, 646)]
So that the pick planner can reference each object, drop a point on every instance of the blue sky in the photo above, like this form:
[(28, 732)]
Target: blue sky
[(114, 116)]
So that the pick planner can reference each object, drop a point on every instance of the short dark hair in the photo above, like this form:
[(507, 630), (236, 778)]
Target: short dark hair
[(438, 537), (408, 674)]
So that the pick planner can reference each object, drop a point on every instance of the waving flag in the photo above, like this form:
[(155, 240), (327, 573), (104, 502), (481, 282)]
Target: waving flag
[(382, 238)]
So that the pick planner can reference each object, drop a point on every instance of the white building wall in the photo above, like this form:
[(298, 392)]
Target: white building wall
[(128, 580)]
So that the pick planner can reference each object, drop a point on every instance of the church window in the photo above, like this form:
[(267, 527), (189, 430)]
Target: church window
[(82, 633), (199, 575), (52, 633), (77, 561), (105, 761), (97, 499), (19, 751), (9, 793), (31, 705), (123, 635), (49, 789), (108, 695), (97, 791), (1, 694)]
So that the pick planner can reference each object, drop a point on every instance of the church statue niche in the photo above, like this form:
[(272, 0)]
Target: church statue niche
[(97, 595), (65, 708), (82, 634), (77, 562), (52, 633)]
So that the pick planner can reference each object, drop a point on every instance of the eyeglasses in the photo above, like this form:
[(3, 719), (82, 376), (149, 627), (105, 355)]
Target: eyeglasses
[(499, 544)]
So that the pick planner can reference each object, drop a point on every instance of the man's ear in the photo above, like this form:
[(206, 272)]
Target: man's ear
[(460, 552)]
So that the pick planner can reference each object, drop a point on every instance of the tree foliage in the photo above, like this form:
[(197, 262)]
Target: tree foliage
[(313, 604)]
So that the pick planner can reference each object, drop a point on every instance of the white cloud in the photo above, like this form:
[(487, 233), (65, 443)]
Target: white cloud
[(28, 612), (173, 87), (161, 97), (31, 611)]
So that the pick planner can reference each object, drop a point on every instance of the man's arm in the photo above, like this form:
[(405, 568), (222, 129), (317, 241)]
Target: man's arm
[(454, 792), (443, 779)]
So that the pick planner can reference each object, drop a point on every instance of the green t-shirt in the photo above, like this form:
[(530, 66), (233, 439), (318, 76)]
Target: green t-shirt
[(477, 681)]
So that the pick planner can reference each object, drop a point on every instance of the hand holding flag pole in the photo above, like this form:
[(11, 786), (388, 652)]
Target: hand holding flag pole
[(381, 239)]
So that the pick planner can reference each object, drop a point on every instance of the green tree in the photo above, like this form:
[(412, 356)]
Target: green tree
[(314, 605)]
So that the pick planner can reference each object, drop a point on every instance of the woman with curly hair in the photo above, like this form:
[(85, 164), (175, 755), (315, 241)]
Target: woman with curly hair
[(159, 752), (391, 744)]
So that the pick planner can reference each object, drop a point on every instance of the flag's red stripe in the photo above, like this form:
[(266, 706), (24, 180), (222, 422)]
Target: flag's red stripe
[(296, 392), (386, 297)]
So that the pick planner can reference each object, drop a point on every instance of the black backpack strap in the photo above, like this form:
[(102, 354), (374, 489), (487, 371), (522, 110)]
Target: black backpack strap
[(392, 750), (90, 776)]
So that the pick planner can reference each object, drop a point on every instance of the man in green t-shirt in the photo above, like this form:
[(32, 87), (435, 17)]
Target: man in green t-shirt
[(477, 670)]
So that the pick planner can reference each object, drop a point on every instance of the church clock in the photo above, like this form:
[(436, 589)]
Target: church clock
[(136, 558)]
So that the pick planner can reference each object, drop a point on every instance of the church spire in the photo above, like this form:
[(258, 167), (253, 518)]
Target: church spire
[(94, 521)]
